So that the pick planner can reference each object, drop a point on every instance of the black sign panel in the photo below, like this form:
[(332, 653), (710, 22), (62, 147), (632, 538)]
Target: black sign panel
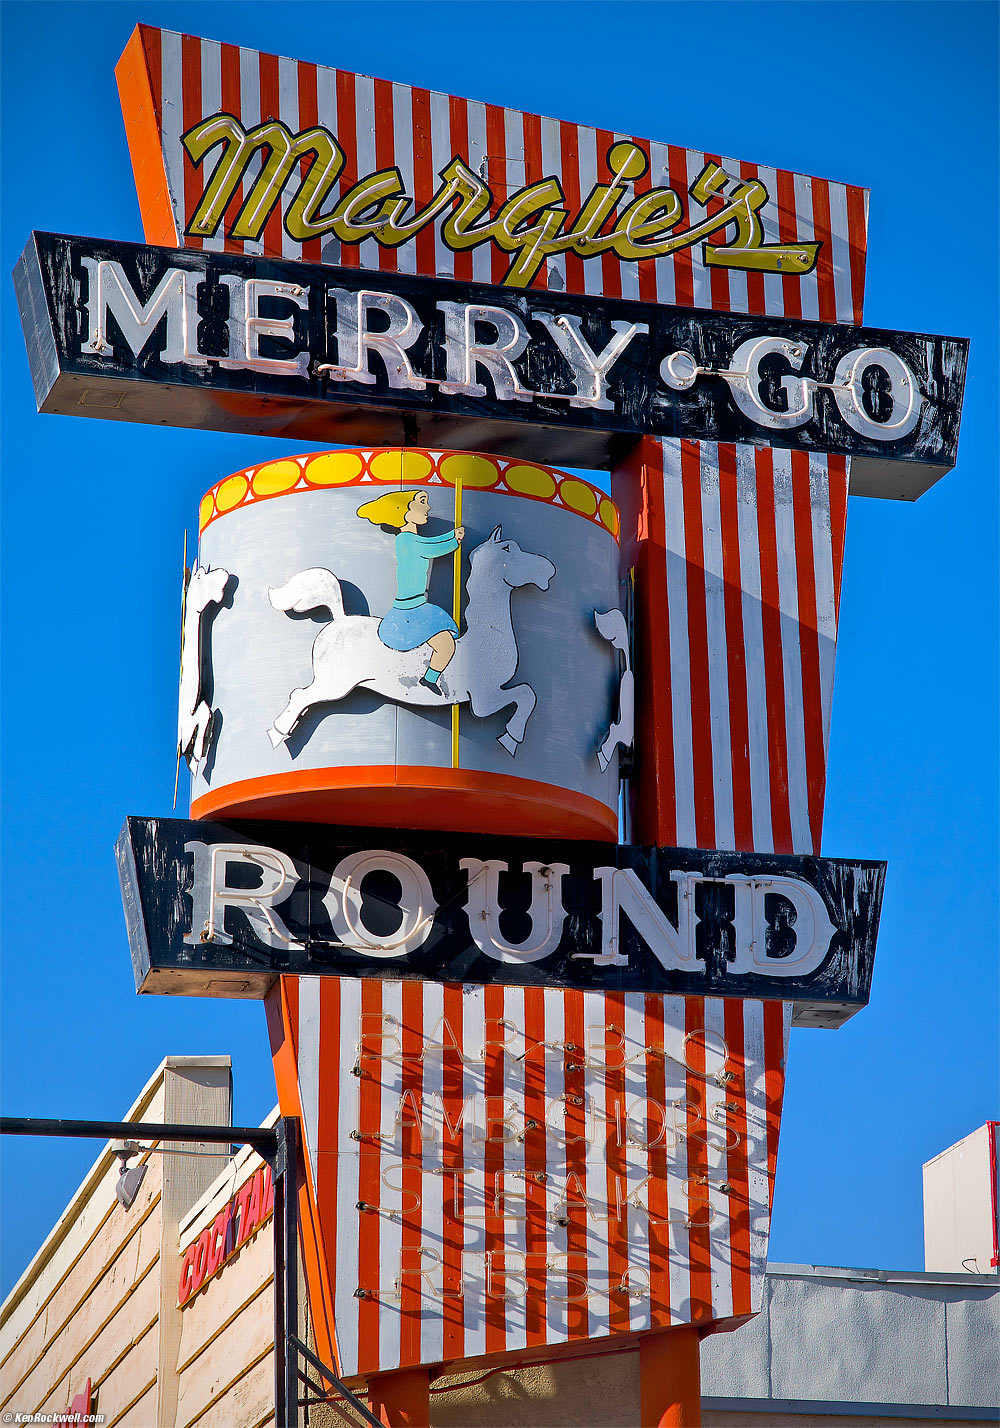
[(218, 340), (216, 910)]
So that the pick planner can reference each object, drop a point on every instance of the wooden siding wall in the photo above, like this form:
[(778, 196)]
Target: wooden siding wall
[(93, 1309), (225, 1358), (91, 1304)]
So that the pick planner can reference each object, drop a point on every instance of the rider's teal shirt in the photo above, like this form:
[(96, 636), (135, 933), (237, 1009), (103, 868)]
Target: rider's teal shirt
[(414, 554)]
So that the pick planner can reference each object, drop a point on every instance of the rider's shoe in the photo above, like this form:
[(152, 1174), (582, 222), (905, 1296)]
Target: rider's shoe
[(432, 684)]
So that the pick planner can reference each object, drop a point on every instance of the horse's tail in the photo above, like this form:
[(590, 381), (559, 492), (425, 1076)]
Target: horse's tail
[(313, 589)]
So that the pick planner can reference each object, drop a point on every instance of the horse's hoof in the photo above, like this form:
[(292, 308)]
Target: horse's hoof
[(276, 738), (508, 743)]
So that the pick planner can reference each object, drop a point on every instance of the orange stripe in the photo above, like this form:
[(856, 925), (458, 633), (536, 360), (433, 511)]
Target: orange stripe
[(774, 1082), (718, 277), (577, 1312), (453, 1193), (569, 153), (423, 176), (270, 108), (683, 277), (755, 281), (701, 698), (496, 177), (619, 1312), (611, 267), (791, 292), (458, 124), (699, 1248), (385, 154), (493, 1164), (312, 248), (449, 800), (827, 291), (139, 77), (534, 173), (858, 244), (637, 487), (191, 113), (646, 266), (774, 679), (659, 1169), (536, 1225)]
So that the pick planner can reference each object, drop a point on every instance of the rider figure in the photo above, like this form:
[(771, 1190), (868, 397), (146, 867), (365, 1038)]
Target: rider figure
[(412, 621)]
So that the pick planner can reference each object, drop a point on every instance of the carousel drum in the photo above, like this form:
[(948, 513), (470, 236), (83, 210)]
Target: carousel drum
[(407, 638)]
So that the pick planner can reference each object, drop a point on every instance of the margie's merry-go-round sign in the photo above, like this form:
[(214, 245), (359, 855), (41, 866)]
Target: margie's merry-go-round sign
[(539, 1082)]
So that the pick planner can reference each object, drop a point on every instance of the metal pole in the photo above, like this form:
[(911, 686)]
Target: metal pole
[(263, 1140), (280, 1327), (289, 1231)]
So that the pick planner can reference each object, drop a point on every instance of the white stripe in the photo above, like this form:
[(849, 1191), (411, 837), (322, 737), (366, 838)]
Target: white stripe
[(482, 261), (774, 295), (758, 1189), (701, 276), (640, 1264), (326, 117), (552, 166), (659, 177), (555, 1144), (211, 103), (390, 1227), (432, 1187), (402, 119), (308, 1065), (250, 118), (599, 1040), (629, 271), (444, 258), (365, 119), (805, 225), (588, 161), (675, 1095), (348, 1273), (173, 123), (513, 1181), (718, 663), (753, 644), (679, 653), (840, 252), (820, 477), (288, 111), (473, 1036), (791, 653), (716, 1164)]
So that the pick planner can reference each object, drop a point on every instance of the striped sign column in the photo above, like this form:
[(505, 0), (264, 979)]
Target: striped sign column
[(509, 1172), (737, 553)]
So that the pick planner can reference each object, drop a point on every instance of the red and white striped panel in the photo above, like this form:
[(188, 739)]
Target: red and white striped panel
[(380, 124), (739, 553), (511, 1169)]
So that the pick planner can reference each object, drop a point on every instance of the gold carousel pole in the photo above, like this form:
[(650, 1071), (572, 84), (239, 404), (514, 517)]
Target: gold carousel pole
[(456, 595)]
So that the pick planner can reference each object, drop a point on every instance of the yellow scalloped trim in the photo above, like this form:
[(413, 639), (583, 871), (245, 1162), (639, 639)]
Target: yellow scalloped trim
[(412, 466)]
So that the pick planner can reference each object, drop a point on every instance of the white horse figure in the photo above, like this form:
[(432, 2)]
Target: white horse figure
[(194, 717), (348, 653), (612, 626)]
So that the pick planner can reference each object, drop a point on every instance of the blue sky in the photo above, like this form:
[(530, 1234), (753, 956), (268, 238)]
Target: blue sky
[(898, 97)]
